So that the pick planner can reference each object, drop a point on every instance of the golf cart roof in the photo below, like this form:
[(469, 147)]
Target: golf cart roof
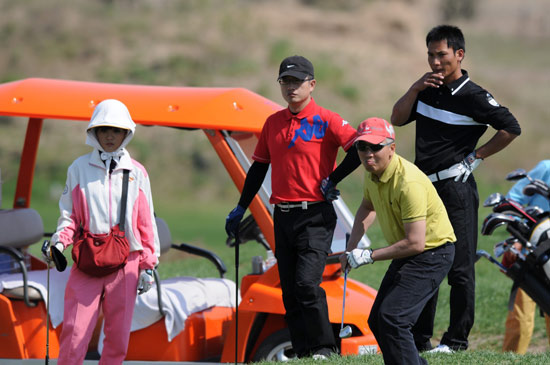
[(217, 111), (234, 109)]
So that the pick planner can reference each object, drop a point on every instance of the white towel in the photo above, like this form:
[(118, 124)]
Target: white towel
[(38, 279), (181, 297)]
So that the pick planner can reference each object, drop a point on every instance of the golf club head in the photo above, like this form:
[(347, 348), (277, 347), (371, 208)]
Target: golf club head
[(482, 253), (500, 248), (345, 332), (493, 199), (517, 174), (494, 220), (59, 259), (537, 187), (534, 211), (530, 190), (511, 207)]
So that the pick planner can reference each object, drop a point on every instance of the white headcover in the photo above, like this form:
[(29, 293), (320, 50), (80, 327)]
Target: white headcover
[(110, 113)]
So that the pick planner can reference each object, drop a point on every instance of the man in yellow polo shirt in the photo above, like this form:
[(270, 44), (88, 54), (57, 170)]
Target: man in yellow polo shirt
[(420, 236)]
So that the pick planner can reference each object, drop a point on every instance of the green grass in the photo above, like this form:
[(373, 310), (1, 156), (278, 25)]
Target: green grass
[(202, 224), (466, 357)]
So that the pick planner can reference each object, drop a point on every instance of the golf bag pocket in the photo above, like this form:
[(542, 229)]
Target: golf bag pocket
[(101, 254)]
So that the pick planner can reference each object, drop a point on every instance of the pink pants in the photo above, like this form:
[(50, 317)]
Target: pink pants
[(116, 293)]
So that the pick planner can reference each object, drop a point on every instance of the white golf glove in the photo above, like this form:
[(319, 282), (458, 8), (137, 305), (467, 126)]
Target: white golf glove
[(145, 281), (467, 166), (358, 257), (47, 252)]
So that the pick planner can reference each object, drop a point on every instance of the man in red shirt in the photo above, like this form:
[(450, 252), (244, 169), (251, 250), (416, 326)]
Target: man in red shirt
[(301, 143)]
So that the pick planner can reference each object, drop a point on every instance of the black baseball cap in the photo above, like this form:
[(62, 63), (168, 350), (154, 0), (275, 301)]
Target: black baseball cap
[(296, 66)]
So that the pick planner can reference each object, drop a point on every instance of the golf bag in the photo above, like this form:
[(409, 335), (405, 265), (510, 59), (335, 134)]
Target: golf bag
[(531, 278), (531, 228)]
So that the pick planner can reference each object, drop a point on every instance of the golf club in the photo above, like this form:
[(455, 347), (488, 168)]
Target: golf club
[(345, 332), (483, 253), (495, 220), (518, 174), (537, 187), (500, 248), (47, 358), (493, 199), (511, 207), (237, 244)]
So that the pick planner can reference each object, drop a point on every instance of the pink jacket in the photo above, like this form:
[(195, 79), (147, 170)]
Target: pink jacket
[(91, 199)]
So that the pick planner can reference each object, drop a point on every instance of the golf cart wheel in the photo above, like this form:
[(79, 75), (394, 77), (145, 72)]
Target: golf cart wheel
[(276, 347)]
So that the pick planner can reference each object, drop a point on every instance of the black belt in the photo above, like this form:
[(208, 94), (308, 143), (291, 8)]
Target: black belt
[(286, 206)]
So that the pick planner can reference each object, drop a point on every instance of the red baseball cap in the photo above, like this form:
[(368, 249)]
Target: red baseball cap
[(374, 130)]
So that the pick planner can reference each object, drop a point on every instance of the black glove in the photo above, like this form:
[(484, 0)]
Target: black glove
[(232, 221), (54, 253), (328, 188)]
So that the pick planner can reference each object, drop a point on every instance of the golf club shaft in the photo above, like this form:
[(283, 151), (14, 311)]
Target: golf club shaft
[(237, 244), (47, 359), (344, 298)]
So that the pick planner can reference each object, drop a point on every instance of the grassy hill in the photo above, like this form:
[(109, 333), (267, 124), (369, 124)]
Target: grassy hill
[(366, 54)]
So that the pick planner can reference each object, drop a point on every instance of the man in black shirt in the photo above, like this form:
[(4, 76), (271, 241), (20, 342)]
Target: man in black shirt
[(451, 114)]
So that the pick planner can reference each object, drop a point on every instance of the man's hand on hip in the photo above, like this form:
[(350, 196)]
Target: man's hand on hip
[(467, 166)]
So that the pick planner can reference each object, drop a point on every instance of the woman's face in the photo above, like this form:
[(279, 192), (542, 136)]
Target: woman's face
[(110, 138)]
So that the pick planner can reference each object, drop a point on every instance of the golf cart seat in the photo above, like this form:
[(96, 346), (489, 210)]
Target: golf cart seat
[(19, 228)]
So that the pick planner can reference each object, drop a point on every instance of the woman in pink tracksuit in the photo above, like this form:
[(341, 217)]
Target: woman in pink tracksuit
[(91, 199)]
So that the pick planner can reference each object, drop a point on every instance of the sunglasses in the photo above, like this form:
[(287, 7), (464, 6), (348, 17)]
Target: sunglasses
[(363, 146), (292, 82)]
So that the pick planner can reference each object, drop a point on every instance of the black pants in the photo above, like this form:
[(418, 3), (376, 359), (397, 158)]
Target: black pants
[(462, 202), (407, 286), (302, 244)]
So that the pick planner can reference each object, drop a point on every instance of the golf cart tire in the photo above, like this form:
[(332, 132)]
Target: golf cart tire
[(276, 347)]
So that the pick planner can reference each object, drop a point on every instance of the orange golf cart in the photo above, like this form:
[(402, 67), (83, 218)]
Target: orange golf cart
[(231, 119)]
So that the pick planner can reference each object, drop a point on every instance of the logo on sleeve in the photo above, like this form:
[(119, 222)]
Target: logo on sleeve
[(307, 131), (491, 100)]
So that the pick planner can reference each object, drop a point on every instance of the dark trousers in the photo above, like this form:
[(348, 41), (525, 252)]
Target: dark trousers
[(462, 202), (407, 286), (302, 244)]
